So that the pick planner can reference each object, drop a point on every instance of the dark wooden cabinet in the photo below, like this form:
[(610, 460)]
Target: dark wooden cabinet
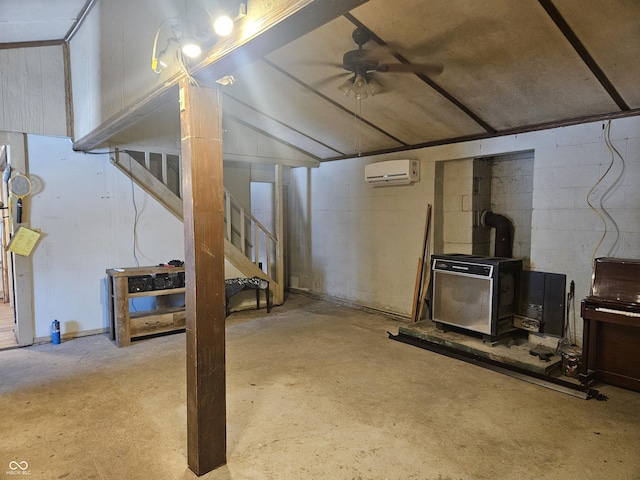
[(612, 348), (611, 313)]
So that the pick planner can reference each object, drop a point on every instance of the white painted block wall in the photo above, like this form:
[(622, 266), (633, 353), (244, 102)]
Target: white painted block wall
[(360, 244), (84, 208), (457, 214), (512, 196), (355, 242)]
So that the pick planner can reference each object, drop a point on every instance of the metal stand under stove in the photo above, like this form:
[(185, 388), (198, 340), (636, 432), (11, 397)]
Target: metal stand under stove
[(552, 383)]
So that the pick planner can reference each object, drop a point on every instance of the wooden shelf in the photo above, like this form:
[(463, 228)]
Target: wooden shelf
[(156, 312), (156, 293), (126, 325)]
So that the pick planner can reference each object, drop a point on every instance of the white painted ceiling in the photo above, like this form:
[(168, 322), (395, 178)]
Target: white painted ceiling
[(509, 66), (38, 20)]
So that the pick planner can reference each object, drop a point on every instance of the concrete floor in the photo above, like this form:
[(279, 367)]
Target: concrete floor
[(315, 391)]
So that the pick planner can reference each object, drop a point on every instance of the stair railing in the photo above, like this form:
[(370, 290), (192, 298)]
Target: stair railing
[(242, 229), (251, 237)]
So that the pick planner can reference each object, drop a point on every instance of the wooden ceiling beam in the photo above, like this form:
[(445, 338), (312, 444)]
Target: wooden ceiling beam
[(501, 133), (285, 162), (581, 50), (39, 43)]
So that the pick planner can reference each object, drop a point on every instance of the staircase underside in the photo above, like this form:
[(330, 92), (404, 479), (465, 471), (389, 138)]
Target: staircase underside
[(174, 204)]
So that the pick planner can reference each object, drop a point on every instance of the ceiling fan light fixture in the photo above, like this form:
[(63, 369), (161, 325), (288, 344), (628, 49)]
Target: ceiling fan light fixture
[(359, 84), (346, 87), (361, 95), (362, 86), (359, 87), (373, 87)]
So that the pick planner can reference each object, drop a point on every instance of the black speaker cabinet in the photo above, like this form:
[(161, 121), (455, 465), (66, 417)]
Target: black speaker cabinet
[(141, 283), (542, 300), (165, 281)]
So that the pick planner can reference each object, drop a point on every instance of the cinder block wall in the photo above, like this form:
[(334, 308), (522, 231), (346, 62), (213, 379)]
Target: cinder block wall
[(457, 206), (512, 196), (353, 242)]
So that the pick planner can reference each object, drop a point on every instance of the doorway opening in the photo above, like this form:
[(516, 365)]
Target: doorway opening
[(7, 312)]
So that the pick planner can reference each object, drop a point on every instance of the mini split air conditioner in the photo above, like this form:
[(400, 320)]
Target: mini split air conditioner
[(392, 172)]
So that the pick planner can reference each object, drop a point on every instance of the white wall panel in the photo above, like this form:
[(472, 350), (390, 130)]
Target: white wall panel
[(111, 59), (85, 75), (32, 90), (85, 210), (355, 242)]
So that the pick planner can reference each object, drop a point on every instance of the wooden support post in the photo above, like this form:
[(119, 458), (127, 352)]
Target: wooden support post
[(201, 127), (426, 276), (279, 275)]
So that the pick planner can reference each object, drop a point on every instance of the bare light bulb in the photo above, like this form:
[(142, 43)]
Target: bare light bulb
[(345, 88), (191, 48), (360, 87), (223, 25)]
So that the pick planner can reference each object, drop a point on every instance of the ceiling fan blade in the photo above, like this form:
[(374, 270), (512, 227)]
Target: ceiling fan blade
[(328, 80), (314, 63), (428, 69)]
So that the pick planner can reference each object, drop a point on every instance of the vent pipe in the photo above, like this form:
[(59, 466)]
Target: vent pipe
[(503, 244)]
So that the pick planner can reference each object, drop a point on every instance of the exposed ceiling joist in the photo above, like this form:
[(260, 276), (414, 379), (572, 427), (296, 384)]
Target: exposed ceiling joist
[(507, 68)]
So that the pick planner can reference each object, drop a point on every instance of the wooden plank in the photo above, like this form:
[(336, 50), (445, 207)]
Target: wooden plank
[(131, 271), (121, 311), (68, 89), (201, 128), (427, 276), (242, 263), (111, 299), (268, 160), (149, 183), (416, 289), (157, 293), (417, 292), (423, 294)]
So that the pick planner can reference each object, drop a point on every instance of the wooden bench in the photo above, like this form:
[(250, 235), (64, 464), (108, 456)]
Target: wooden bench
[(234, 286)]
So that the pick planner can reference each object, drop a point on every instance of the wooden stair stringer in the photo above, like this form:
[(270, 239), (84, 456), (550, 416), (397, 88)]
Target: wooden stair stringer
[(250, 269), (174, 204), (152, 186)]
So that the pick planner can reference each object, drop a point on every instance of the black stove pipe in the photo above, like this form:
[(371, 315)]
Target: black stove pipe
[(503, 244)]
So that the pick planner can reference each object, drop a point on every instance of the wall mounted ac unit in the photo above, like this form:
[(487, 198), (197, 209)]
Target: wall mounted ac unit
[(392, 172)]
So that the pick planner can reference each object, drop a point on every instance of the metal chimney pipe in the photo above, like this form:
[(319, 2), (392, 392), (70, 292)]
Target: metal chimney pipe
[(503, 244)]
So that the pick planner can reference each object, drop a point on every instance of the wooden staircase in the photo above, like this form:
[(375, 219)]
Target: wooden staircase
[(248, 245)]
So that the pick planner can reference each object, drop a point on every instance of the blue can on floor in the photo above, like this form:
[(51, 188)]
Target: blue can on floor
[(55, 332)]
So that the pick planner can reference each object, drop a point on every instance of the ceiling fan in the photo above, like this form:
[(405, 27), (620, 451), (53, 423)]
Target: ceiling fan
[(362, 63)]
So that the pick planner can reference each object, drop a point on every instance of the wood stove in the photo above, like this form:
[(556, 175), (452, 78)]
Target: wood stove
[(475, 293)]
